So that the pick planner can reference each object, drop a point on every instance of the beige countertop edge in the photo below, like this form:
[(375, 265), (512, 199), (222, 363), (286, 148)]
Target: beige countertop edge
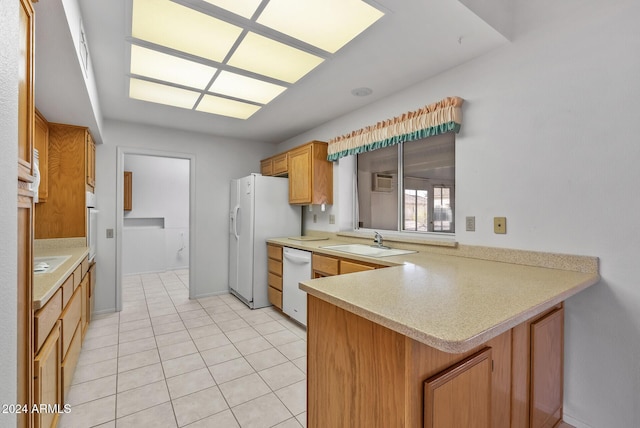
[(46, 284), (444, 344)]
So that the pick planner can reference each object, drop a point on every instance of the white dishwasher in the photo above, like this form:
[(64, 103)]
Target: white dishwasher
[(296, 268)]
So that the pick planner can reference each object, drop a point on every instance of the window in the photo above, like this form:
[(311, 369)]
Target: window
[(408, 187)]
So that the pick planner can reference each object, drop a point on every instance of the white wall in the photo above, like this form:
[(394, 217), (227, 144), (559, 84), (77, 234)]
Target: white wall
[(160, 190), (217, 161), (8, 208), (549, 141)]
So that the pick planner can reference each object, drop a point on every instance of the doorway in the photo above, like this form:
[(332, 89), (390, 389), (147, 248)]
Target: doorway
[(155, 233)]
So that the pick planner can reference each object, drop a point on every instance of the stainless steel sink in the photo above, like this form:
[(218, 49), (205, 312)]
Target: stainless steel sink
[(368, 250), (48, 264)]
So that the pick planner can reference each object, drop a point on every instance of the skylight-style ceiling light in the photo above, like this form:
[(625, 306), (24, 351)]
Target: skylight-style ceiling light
[(237, 86), (226, 107), (327, 24), (169, 68), (274, 59), (169, 24), (162, 94), (245, 8), (282, 41)]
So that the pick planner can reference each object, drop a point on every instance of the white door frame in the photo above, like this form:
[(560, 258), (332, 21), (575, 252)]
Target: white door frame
[(121, 152)]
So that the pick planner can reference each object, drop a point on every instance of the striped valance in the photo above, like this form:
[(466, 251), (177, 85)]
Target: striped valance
[(437, 118)]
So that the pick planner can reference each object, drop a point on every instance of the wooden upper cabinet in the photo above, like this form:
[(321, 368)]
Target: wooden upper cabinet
[(310, 175), (128, 189), (41, 143), (64, 215), (90, 166), (281, 164), (266, 166), (275, 165), (26, 106)]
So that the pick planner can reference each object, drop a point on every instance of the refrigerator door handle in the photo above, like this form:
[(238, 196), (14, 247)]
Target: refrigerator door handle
[(235, 223)]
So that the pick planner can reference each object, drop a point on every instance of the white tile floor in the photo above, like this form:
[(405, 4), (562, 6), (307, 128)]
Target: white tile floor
[(167, 361)]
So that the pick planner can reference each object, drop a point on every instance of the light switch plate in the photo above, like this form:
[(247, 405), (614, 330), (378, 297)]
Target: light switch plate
[(471, 223), (109, 233), (500, 225)]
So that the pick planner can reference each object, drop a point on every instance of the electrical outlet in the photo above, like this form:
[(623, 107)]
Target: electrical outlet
[(471, 224), (109, 233), (500, 225), (332, 219)]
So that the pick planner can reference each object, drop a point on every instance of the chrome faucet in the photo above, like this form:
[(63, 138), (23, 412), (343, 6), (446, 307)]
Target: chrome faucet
[(377, 239)]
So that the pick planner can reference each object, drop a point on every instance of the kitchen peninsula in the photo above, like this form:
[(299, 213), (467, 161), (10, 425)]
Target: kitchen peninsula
[(440, 337)]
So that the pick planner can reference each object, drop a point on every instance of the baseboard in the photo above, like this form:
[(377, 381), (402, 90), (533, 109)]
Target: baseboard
[(575, 422)]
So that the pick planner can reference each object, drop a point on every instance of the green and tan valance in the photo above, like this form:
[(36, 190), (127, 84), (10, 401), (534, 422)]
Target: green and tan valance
[(433, 119)]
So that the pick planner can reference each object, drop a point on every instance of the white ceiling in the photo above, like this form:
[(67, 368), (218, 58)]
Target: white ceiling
[(415, 40)]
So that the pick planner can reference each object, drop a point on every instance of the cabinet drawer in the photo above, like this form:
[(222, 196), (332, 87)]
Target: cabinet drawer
[(280, 164), (67, 291), (275, 281), (275, 267), (77, 276), (274, 252), (70, 318), (84, 266), (45, 318), (348, 266), (325, 264), (70, 361), (275, 297), (46, 373)]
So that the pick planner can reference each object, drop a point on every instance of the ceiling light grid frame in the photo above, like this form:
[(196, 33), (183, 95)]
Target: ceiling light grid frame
[(248, 28)]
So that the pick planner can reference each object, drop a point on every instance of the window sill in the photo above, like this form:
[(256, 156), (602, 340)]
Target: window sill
[(389, 236)]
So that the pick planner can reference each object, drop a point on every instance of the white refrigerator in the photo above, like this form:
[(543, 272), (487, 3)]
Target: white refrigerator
[(259, 210)]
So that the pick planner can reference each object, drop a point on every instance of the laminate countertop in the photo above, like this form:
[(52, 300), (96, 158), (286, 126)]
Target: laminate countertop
[(452, 299), (46, 284)]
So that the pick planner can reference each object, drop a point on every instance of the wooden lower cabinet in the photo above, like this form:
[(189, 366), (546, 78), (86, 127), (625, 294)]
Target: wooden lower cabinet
[(380, 378), (351, 266), (461, 395), (70, 361), (47, 380), (58, 331), (274, 275), (547, 370), (324, 265)]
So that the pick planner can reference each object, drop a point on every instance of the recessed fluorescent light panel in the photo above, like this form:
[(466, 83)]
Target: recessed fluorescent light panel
[(327, 24), (161, 94), (252, 52)]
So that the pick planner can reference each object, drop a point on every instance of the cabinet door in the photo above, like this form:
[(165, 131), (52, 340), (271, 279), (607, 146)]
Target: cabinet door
[(300, 191), (26, 111), (547, 370), (47, 379), (266, 166), (91, 290), (461, 395), (280, 164), (91, 162), (41, 143)]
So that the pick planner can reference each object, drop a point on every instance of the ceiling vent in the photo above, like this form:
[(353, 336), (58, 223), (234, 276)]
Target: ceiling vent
[(382, 182)]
